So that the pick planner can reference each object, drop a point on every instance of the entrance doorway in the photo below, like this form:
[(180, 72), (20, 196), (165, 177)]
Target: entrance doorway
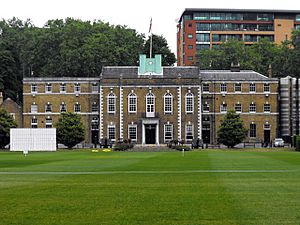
[(150, 133), (267, 136)]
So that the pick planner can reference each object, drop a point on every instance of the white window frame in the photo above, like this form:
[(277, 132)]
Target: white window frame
[(267, 87), (205, 107), (223, 88), (95, 88), (77, 88), (48, 107), (34, 88), (252, 107), (34, 108), (111, 103), (238, 86), (168, 129), (168, 103), (63, 107), (48, 123), (223, 108), (132, 103), (252, 132), (267, 107), (95, 107), (62, 88), (205, 88), (189, 103), (238, 106), (252, 87), (132, 126), (189, 128), (34, 122), (77, 108), (109, 134), (48, 88), (150, 105)]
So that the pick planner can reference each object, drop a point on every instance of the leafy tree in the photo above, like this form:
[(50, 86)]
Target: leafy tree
[(69, 129), (160, 46), (6, 122), (232, 130)]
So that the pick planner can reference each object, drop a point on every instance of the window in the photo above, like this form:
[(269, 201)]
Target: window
[(190, 58), (189, 103), (132, 132), (34, 122), (150, 104), (298, 18), (190, 36), (95, 123), (77, 107), (132, 103), (189, 132), (77, 88), (111, 103), (33, 88), (168, 132), (63, 107), (168, 103), (200, 47), (252, 130), (223, 107), (111, 131), (238, 107), (94, 88), (223, 87), (203, 37), (94, 107), (252, 87), (206, 107), (267, 126), (48, 88), (48, 107), (237, 87), (34, 108), (267, 108), (205, 87), (202, 26), (62, 88), (267, 87), (48, 123), (252, 107), (190, 46)]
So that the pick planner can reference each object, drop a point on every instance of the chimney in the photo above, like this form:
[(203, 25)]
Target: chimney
[(270, 71), (1, 98), (235, 67)]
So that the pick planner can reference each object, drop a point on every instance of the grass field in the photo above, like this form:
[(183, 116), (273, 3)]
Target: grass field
[(204, 187)]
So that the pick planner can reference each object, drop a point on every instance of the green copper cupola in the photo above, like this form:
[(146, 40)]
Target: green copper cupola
[(150, 66)]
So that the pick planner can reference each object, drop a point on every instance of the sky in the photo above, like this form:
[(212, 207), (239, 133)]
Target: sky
[(136, 14)]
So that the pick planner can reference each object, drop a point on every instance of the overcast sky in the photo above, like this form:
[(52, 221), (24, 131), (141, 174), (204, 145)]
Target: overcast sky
[(135, 14)]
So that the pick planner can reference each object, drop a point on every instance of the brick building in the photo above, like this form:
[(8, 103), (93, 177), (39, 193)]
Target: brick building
[(12, 108), (151, 104), (200, 29)]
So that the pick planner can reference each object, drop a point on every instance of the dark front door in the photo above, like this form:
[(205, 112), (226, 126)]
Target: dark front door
[(206, 136), (150, 133), (267, 136)]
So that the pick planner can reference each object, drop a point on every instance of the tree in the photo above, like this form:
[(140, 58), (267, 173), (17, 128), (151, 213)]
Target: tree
[(6, 122), (160, 46), (232, 130), (69, 129)]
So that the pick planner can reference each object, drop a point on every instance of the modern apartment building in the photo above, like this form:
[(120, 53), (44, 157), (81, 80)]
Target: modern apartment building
[(200, 29)]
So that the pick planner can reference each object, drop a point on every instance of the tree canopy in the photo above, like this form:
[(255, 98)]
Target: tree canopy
[(232, 130), (6, 122)]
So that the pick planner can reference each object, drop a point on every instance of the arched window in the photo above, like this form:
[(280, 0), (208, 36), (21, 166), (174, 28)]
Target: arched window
[(168, 103), (132, 102), (111, 103), (150, 105), (189, 103)]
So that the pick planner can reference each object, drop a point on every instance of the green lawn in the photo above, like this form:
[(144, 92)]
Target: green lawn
[(204, 187)]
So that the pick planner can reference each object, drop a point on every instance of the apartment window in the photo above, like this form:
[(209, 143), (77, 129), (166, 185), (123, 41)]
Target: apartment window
[(223, 108), (94, 107), (77, 107), (62, 88), (267, 108), (168, 132), (48, 88), (150, 105), (202, 26), (190, 36), (190, 58), (63, 107), (252, 87), (132, 132), (33, 88), (238, 107), (298, 17), (95, 88), (205, 87), (267, 87), (190, 46), (111, 103), (168, 103), (48, 107), (237, 87), (189, 132), (252, 130), (203, 37), (48, 123), (206, 107), (34, 108), (77, 88), (189, 103), (252, 107), (111, 131), (132, 102), (200, 47), (223, 87), (34, 122)]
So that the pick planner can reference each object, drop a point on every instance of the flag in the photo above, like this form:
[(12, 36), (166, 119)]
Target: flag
[(150, 27)]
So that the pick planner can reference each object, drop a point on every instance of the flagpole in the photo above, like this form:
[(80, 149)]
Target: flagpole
[(150, 31)]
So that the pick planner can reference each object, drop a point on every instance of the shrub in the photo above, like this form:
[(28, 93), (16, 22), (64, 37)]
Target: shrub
[(181, 147)]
